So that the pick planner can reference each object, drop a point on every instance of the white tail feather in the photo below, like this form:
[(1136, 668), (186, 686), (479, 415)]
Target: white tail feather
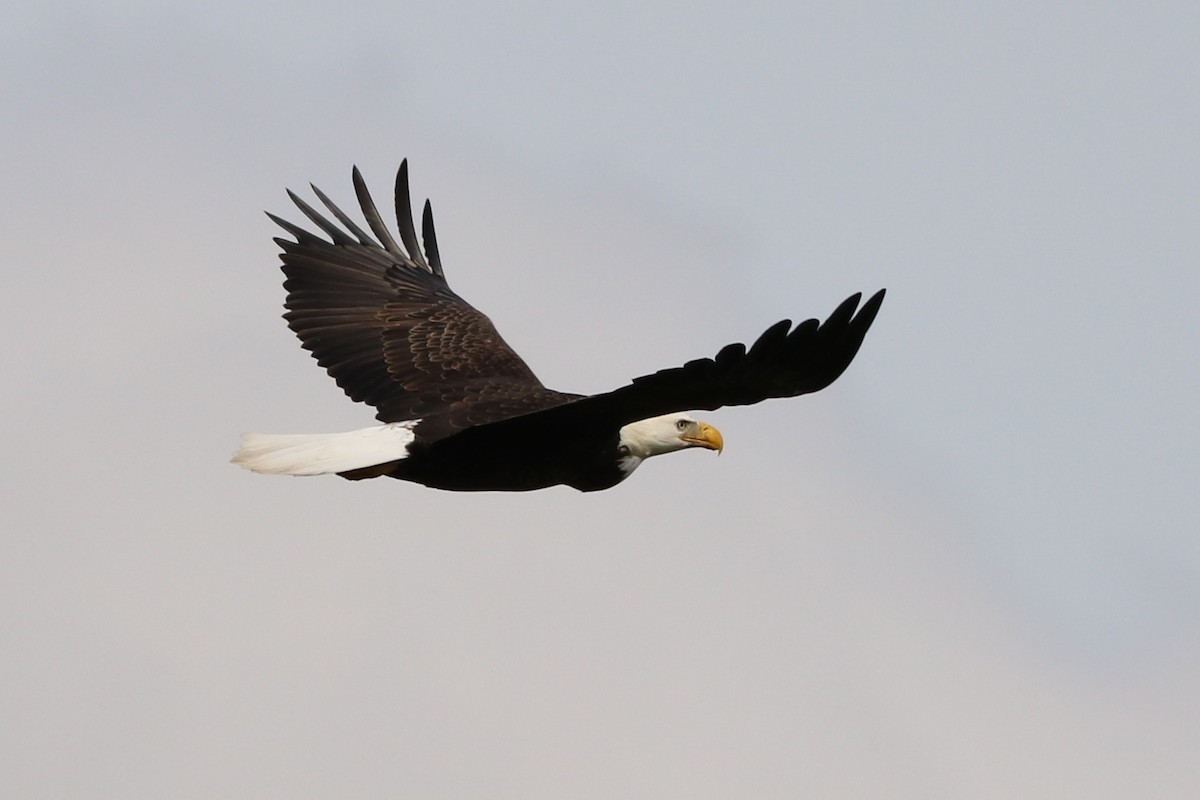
[(323, 453)]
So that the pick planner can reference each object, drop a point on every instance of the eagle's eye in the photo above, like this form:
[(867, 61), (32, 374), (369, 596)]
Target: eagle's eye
[(682, 424)]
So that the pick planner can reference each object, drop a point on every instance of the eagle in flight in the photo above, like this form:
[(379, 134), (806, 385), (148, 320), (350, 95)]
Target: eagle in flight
[(460, 410)]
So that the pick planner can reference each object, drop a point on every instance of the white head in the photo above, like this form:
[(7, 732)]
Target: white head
[(665, 434)]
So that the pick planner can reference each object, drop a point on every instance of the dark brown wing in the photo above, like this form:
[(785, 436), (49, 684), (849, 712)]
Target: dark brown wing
[(783, 362), (381, 319)]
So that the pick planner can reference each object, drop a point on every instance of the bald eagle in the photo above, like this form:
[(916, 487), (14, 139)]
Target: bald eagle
[(459, 408)]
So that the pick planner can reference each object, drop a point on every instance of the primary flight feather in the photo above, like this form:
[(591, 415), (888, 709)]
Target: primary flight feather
[(459, 408)]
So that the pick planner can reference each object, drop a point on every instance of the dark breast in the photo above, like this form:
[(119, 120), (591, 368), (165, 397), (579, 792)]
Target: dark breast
[(587, 462)]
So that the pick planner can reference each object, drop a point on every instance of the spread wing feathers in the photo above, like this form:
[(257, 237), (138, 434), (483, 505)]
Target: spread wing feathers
[(381, 319), (783, 362)]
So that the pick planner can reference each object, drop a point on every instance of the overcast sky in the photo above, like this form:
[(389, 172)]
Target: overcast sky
[(970, 568)]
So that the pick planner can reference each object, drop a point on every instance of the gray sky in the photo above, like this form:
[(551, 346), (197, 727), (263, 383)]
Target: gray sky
[(969, 569)]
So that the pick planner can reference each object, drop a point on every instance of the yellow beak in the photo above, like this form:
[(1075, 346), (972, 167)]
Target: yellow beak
[(709, 437)]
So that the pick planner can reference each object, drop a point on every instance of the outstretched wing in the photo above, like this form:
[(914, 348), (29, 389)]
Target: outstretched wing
[(783, 362), (381, 319)]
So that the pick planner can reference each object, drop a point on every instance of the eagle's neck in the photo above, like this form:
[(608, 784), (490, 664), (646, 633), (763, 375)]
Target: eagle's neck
[(627, 463)]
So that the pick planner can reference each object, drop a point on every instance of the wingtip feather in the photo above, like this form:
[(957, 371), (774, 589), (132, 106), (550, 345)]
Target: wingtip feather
[(374, 220), (404, 217)]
